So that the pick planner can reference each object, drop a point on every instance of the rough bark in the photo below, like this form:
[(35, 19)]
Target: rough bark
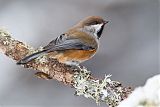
[(104, 90)]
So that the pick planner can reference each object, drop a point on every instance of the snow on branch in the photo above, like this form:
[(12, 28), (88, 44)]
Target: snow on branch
[(146, 96), (103, 90)]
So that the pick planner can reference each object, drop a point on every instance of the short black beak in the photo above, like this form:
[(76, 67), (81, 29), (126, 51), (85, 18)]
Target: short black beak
[(105, 22)]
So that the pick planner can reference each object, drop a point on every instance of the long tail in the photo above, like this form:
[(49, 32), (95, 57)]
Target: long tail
[(30, 57)]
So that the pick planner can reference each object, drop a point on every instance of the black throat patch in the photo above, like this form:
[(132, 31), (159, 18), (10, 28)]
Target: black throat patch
[(100, 31)]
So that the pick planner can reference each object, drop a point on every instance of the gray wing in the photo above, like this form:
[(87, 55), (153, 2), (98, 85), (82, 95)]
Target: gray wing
[(56, 41), (63, 42)]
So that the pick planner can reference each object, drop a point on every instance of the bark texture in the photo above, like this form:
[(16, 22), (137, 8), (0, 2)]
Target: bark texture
[(104, 90)]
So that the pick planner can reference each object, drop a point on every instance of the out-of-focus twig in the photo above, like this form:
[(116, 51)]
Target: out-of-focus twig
[(104, 90)]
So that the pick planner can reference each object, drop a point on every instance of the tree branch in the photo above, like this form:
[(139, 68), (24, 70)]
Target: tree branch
[(105, 90)]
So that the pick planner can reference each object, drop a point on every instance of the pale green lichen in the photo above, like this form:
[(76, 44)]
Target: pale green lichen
[(6, 42), (4, 32), (40, 48), (42, 59), (5, 36), (98, 90)]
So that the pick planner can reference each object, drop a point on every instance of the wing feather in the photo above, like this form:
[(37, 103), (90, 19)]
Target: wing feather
[(64, 43)]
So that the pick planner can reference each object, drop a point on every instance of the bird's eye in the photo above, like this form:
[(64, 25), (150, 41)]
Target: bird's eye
[(96, 22)]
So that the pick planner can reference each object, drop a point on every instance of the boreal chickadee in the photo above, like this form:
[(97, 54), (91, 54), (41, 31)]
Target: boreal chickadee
[(76, 45)]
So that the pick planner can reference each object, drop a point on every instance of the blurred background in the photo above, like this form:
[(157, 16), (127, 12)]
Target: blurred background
[(128, 50)]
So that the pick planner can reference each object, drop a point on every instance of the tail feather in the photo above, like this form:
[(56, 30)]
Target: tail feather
[(30, 57)]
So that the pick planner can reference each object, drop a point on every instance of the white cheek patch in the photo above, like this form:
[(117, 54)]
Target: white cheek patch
[(96, 27), (93, 29)]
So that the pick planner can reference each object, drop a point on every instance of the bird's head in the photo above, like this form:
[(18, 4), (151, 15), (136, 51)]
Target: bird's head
[(93, 25)]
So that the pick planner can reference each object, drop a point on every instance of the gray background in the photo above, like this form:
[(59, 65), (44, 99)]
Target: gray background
[(128, 50)]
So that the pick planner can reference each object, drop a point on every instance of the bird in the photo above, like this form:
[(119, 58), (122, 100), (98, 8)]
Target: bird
[(76, 45)]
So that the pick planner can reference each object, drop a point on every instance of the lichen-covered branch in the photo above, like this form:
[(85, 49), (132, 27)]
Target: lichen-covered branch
[(105, 90)]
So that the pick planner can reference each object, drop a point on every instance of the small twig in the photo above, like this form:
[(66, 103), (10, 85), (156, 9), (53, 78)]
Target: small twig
[(106, 90)]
